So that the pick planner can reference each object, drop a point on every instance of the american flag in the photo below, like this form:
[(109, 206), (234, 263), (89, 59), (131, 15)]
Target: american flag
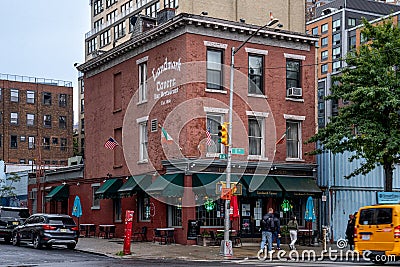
[(111, 143), (209, 140)]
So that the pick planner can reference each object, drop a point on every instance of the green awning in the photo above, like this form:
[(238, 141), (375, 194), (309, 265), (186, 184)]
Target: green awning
[(299, 185), (205, 184), (168, 185), (109, 189), (58, 193), (134, 185), (261, 185)]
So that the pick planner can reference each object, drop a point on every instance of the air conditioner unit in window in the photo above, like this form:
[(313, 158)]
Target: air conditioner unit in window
[(294, 92)]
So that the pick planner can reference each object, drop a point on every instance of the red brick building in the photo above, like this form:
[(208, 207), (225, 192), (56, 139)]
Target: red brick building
[(158, 94)]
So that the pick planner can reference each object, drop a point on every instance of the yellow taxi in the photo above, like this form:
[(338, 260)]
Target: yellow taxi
[(377, 232)]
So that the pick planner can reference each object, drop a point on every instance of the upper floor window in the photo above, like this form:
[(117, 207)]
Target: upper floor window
[(110, 16), (324, 68), (82, 86), (63, 144), (30, 97), (14, 118), (46, 143), (46, 98), (142, 82), (324, 41), (256, 136), (256, 74), (213, 121), (171, 3), (14, 96), (30, 119), (105, 38), (152, 10), (97, 24), (214, 69), (31, 142), (336, 52), (336, 66), (315, 31), (119, 30), (92, 45), (293, 139), (336, 25), (336, 39), (293, 73), (82, 125), (126, 6), (324, 28), (352, 42), (62, 122), (62, 100), (47, 120), (351, 22), (97, 6), (324, 55), (1, 94), (143, 139), (13, 141), (110, 2), (82, 105)]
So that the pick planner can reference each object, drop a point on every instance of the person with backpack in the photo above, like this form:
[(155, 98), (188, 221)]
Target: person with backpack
[(267, 229), (293, 226)]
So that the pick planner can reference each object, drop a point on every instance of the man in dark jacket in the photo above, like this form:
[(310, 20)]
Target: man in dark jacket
[(267, 228), (276, 235), (350, 231)]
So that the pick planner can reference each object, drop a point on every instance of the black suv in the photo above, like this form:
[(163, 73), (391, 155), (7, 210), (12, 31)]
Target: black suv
[(11, 217), (47, 229)]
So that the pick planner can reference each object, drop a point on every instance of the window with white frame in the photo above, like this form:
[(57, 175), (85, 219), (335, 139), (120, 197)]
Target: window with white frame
[(144, 208), (256, 74), (336, 25), (92, 45), (97, 24), (293, 139), (47, 120), (30, 119), (213, 121), (31, 142), (142, 82), (293, 73), (143, 135), (105, 38), (30, 97), (95, 201), (119, 30), (324, 55), (256, 136), (14, 118), (14, 95), (336, 52), (351, 22), (324, 28), (110, 16), (214, 69)]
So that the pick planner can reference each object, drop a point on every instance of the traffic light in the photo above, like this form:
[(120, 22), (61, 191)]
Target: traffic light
[(223, 134)]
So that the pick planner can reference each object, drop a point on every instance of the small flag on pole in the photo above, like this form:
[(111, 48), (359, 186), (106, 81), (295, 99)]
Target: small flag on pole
[(111, 143), (282, 139), (165, 137), (209, 140)]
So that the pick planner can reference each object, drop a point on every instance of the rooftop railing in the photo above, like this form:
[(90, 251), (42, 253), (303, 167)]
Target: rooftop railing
[(27, 79)]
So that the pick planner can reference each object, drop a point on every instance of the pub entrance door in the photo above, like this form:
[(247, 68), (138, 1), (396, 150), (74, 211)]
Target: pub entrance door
[(251, 215)]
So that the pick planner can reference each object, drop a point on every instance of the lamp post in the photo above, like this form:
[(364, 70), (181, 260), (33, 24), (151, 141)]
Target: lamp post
[(229, 162)]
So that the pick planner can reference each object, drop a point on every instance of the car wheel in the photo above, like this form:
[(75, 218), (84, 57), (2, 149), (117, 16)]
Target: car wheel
[(71, 246), (7, 239), (37, 242), (15, 239)]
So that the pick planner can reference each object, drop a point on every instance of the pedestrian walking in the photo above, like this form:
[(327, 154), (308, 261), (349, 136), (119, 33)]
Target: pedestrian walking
[(293, 226), (267, 228), (350, 231), (277, 231)]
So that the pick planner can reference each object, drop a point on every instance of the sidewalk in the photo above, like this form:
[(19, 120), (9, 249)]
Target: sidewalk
[(149, 250)]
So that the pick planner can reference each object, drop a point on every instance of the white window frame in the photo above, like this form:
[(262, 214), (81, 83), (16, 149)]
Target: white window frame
[(30, 119), (261, 121), (14, 95), (14, 118), (30, 97), (298, 120), (142, 72), (95, 201), (31, 142), (143, 139)]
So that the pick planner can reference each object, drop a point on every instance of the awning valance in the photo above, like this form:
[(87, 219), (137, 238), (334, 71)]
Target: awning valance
[(109, 189), (205, 183), (58, 193), (299, 185), (168, 185), (135, 184), (261, 185)]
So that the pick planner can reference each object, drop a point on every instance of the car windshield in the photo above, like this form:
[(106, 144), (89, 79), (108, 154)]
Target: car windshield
[(61, 221), (12, 213)]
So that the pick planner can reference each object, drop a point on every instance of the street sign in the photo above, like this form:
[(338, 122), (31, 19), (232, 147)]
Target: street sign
[(237, 151), (223, 156)]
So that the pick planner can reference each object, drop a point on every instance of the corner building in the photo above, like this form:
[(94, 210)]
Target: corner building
[(160, 93)]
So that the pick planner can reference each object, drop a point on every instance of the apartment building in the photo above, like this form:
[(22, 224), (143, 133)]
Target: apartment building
[(36, 120)]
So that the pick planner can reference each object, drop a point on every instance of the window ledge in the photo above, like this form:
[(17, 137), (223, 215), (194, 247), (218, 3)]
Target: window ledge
[(117, 166), (216, 91), (257, 96), (95, 208), (117, 110), (294, 99), (141, 102), (294, 159), (256, 157), (144, 161)]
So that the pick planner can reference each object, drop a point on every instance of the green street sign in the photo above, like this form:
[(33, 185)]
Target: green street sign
[(238, 151), (223, 156)]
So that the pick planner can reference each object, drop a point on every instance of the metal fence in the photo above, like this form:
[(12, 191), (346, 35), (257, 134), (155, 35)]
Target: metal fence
[(27, 79)]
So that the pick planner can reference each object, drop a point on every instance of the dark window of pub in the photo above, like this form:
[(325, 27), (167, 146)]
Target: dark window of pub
[(214, 69)]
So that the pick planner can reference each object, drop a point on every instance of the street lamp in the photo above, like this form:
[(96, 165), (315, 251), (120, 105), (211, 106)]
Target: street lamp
[(273, 21)]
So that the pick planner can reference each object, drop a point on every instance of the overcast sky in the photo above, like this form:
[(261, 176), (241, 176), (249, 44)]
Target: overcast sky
[(43, 38)]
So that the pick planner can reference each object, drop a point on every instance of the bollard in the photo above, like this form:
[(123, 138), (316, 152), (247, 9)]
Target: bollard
[(324, 238)]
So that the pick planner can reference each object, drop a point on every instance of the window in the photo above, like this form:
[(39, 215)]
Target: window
[(105, 38), (336, 39), (110, 2), (352, 42), (31, 142), (324, 68), (46, 143), (126, 6), (336, 25), (351, 22), (256, 142), (22, 161), (30, 119), (82, 86), (97, 24), (324, 41), (214, 69), (324, 55), (324, 28), (336, 52), (171, 3), (47, 120), (119, 30), (13, 141), (22, 138), (82, 105), (62, 122), (46, 98), (293, 73), (213, 121), (54, 141), (256, 74), (110, 16), (315, 31), (152, 10), (144, 208), (142, 82), (62, 100), (82, 125), (97, 7), (336, 66), (63, 144), (92, 45), (143, 141), (213, 217), (293, 139), (95, 201), (14, 118), (14, 97), (376, 216), (117, 209), (30, 97), (174, 216)]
